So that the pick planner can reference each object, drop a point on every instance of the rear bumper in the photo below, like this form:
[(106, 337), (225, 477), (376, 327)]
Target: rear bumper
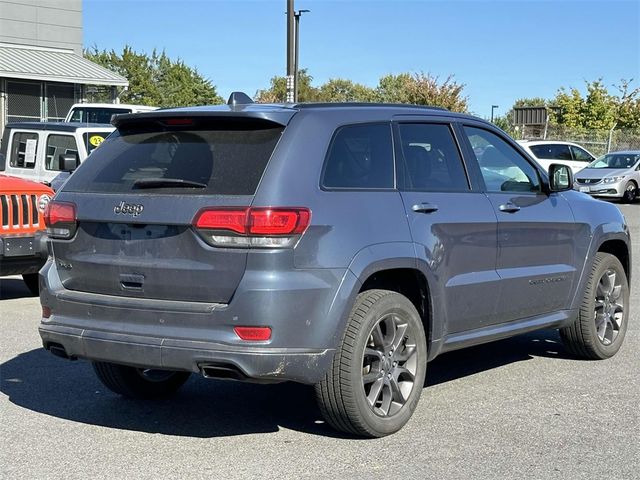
[(22, 254), (305, 310), (256, 364)]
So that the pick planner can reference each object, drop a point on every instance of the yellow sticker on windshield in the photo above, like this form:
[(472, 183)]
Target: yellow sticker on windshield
[(96, 140)]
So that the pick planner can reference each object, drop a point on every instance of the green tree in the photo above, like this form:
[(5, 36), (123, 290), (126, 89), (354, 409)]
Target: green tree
[(628, 106), (530, 102), (277, 91), (598, 110), (505, 122), (418, 89), (180, 85), (422, 89), (156, 79), (341, 90)]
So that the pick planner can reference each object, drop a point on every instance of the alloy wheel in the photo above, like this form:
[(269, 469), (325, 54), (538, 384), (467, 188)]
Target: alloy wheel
[(629, 193), (609, 310), (389, 365)]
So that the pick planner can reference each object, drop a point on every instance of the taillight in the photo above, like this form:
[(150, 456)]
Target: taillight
[(264, 227), (60, 219), (278, 221)]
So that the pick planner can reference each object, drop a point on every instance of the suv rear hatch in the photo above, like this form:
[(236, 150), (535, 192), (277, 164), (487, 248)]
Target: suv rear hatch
[(136, 199)]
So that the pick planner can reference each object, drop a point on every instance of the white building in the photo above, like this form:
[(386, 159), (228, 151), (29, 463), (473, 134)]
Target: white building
[(42, 71)]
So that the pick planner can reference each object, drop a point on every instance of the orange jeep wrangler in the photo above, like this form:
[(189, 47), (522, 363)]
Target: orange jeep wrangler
[(23, 242)]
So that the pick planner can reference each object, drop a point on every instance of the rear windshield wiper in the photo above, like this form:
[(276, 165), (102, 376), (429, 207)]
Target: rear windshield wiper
[(167, 183)]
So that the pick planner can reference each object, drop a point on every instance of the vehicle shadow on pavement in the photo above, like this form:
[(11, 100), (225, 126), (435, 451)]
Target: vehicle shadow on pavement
[(469, 361), (38, 381), (12, 288)]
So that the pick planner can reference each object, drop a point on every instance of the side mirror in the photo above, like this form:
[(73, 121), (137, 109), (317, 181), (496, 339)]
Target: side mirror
[(560, 178), (3, 161), (68, 162)]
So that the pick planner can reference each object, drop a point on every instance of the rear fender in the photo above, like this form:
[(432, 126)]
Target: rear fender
[(377, 258)]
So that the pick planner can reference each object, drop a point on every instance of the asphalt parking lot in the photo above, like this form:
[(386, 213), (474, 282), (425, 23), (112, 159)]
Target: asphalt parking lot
[(519, 408)]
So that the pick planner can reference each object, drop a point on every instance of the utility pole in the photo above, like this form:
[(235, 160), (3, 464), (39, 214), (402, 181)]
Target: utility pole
[(290, 51), (296, 77)]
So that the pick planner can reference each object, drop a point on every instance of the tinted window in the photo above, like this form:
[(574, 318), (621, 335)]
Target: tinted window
[(580, 155), (360, 156), (431, 158), (96, 115), (228, 160), (57, 147), (24, 150), (502, 167), (552, 152)]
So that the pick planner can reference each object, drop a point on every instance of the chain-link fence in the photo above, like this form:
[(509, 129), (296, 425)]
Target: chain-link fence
[(596, 141), (98, 94)]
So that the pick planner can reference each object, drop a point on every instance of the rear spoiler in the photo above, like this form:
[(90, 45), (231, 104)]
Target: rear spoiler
[(239, 113)]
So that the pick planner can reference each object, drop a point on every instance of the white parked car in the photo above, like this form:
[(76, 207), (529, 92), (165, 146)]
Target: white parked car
[(546, 152), (37, 150), (614, 175), (102, 112)]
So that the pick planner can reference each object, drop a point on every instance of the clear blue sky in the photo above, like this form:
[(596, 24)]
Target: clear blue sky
[(500, 50)]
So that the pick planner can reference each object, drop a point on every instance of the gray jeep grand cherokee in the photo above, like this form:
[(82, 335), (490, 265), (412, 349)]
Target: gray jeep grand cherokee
[(340, 245)]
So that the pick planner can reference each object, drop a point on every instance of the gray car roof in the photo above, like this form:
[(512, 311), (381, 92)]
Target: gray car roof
[(282, 112)]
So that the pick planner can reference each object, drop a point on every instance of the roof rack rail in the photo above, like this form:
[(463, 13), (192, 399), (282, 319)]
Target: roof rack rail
[(366, 104)]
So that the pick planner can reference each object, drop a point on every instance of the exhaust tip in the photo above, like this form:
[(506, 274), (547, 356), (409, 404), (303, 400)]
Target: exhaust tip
[(222, 372), (59, 351)]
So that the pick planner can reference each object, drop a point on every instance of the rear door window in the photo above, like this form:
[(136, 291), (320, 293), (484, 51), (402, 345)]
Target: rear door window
[(360, 156), (24, 150), (216, 158), (552, 152), (431, 158)]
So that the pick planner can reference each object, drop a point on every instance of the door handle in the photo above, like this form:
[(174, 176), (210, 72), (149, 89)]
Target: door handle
[(509, 208), (424, 208)]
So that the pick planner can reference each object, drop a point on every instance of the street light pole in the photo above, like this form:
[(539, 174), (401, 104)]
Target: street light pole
[(493, 107), (290, 51), (296, 78)]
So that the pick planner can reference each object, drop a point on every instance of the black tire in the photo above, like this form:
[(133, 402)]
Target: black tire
[(630, 192), (343, 395), (602, 321), (32, 282), (141, 383)]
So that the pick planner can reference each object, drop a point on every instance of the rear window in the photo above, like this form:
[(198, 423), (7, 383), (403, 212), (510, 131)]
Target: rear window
[(96, 114), (218, 159)]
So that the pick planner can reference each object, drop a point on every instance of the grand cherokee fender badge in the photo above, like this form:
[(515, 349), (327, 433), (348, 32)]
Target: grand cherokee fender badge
[(542, 281), (128, 209)]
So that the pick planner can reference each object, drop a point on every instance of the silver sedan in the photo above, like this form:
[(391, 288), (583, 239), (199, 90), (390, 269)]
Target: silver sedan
[(614, 175)]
